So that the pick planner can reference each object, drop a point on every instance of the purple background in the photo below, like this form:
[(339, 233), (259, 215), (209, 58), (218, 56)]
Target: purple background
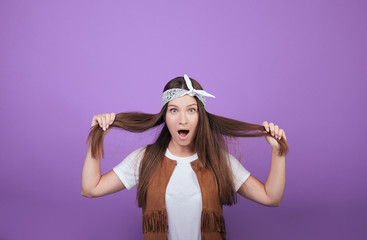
[(299, 64)]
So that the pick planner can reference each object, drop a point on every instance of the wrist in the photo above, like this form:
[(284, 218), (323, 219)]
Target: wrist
[(275, 149)]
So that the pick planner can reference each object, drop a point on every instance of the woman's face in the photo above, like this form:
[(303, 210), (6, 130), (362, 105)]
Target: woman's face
[(182, 118)]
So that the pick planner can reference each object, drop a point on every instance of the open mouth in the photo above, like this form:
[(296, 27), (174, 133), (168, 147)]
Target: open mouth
[(183, 133)]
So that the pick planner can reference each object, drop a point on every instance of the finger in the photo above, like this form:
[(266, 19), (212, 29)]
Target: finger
[(280, 134), (285, 138), (272, 129), (103, 119), (107, 117), (99, 120), (106, 121), (94, 121), (112, 118), (276, 131), (266, 125)]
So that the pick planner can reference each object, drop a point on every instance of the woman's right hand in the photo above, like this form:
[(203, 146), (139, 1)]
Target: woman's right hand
[(104, 120)]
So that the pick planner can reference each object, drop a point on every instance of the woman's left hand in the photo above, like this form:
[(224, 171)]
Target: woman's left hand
[(276, 132)]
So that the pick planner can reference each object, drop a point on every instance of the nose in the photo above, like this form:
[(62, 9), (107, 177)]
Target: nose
[(183, 118)]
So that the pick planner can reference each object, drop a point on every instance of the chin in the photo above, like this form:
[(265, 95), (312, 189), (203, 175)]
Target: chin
[(184, 143)]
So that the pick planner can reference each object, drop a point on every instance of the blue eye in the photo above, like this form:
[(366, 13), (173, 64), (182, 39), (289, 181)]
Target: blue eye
[(194, 110), (173, 110)]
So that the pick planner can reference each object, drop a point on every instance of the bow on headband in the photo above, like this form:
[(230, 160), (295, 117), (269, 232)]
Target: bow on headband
[(178, 92), (192, 91)]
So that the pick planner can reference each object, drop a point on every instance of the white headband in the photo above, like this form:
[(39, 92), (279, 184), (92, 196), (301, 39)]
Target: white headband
[(179, 92)]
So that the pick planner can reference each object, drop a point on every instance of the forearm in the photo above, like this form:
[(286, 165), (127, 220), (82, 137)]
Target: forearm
[(275, 183), (91, 173)]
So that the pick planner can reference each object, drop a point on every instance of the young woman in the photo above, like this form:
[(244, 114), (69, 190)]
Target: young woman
[(185, 177)]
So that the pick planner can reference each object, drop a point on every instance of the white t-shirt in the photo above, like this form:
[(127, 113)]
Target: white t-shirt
[(183, 194)]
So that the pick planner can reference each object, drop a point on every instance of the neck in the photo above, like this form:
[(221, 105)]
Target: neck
[(181, 151)]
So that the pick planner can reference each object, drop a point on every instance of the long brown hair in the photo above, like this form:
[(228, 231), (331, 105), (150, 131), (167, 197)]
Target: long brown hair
[(210, 142)]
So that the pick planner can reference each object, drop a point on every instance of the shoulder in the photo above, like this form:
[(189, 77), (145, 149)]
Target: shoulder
[(137, 153), (231, 158), (235, 164), (135, 156)]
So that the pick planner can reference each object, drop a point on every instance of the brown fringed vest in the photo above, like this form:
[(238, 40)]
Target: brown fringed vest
[(155, 221)]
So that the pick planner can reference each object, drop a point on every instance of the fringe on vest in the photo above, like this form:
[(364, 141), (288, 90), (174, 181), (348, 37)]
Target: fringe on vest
[(155, 221), (212, 221)]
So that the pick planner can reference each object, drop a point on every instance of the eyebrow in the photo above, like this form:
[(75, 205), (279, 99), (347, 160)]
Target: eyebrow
[(172, 105)]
